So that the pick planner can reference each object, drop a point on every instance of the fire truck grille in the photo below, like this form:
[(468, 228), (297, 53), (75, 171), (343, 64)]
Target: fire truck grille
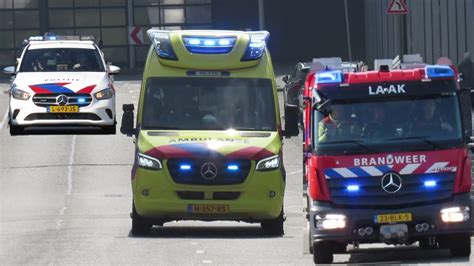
[(414, 190)]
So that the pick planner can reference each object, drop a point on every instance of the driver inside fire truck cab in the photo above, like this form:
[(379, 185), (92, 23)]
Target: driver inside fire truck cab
[(429, 118), (338, 124)]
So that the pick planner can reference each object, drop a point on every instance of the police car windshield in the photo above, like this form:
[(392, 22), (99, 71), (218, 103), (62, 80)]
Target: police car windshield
[(427, 119), (209, 104), (61, 59)]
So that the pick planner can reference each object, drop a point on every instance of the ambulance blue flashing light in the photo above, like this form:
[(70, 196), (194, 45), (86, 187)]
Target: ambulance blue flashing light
[(439, 71), (209, 45), (256, 46), (162, 44), (329, 77)]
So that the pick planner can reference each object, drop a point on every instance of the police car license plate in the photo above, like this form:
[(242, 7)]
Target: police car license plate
[(63, 109), (393, 218), (208, 208)]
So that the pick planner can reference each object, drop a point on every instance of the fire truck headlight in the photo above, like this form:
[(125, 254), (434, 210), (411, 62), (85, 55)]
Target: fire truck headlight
[(330, 221), (455, 214)]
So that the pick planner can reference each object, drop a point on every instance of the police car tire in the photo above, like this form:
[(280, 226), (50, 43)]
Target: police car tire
[(322, 253), (459, 245), (16, 130), (274, 227), (139, 226)]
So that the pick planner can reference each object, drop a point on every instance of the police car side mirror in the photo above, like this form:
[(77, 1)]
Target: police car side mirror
[(127, 127), (291, 121), (10, 70), (114, 69), (286, 79)]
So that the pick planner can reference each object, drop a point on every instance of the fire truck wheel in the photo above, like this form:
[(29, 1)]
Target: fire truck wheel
[(139, 226), (459, 244), (323, 253), (274, 227)]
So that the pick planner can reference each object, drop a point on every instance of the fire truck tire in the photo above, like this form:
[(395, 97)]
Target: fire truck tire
[(322, 253), (459, 244)]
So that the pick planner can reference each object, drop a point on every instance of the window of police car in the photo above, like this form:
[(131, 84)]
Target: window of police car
[(209, 104), (62, 59)]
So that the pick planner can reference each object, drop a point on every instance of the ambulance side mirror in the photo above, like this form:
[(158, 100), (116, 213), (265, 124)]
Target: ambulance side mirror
[(127, 127), (291, 121)]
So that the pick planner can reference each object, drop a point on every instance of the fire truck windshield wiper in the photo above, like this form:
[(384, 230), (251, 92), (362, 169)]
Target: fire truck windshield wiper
[(353, 141), (421, 138)]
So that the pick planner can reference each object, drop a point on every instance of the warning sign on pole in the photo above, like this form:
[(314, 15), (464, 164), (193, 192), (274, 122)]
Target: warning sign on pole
[(135, 35), (397, 7)]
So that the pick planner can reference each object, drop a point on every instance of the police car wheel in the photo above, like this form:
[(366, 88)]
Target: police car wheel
[(16, 130), (139, 226), (323, 253), (274, 227), (459, 244)]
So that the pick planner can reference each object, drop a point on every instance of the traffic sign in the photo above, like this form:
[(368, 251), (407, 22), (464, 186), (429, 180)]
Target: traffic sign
[(397, 7), (135, 35)]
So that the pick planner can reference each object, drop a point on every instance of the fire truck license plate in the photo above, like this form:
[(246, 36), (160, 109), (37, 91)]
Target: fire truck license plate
[(63, 109), (208, 208), (393, 218)]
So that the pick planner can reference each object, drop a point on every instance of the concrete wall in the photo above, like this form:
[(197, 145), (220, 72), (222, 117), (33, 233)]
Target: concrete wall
[(434, 28)]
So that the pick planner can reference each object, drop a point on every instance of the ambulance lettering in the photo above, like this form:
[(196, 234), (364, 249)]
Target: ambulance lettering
[(392, 89)]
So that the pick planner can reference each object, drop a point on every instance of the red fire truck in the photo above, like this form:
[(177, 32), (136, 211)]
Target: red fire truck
[(386, 159)]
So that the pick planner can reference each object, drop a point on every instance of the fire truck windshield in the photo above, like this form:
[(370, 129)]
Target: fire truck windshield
[(209, 104), (430, 120)]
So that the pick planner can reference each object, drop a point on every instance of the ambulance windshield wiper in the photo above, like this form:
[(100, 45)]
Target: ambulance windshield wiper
[(354, 141), (422, 138)]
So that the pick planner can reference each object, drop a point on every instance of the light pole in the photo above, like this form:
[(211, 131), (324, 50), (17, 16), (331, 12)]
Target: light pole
[(261, 15), (348, 31)]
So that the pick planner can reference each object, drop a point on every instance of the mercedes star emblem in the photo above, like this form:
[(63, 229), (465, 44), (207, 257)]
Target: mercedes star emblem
[(391, 183), (62, 100), (208, 171)]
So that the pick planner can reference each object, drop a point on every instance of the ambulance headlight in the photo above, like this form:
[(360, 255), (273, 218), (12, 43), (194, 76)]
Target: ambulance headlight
[(162, 44), (148, 162), (19, 94), (104, 94), (269, 163), (256, 46)]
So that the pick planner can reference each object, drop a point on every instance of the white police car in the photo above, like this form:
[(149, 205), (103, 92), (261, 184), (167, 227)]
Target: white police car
[(61, 81)]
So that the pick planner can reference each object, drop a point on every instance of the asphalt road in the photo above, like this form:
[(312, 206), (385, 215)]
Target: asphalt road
[(65, 198)]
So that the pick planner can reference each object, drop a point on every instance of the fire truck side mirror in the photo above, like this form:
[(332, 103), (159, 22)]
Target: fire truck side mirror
[(291, 121), (127, 127)]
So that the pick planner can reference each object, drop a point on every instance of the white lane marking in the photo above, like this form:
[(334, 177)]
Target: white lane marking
[(61, 212), (193, 243), (295, 172), (71, 162), (207, 261), (59, 222), (4, 120), (199, 251)]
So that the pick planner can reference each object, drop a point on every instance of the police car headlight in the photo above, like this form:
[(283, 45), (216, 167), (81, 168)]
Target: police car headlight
[(19, 94), (269, 163), (104, 94), (147, 162)]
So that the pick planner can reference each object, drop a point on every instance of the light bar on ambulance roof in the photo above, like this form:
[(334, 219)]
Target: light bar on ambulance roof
[(439, 71), (209, 45), (329, 77), (162, 44), (256, 46)]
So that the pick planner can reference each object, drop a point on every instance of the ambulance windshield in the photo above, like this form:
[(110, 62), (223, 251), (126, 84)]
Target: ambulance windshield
[(209, 104), (429, 120)]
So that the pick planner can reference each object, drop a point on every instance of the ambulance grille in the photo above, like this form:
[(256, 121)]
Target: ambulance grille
[(193, 176), (371, 193)]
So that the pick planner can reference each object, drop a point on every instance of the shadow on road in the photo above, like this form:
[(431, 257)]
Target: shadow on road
[(403, 255), (209, 232)]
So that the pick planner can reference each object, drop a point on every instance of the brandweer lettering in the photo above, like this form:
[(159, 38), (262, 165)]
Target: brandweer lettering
[(407, 159)]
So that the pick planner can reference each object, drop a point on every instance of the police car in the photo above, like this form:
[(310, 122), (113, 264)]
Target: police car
[(61, 81)]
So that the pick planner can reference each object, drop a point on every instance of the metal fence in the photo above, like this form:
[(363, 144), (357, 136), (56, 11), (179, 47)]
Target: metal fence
[(433, 28)]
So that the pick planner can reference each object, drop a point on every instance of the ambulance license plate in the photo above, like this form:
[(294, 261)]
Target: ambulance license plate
[(208, 208), (63, 109), (393, 218)]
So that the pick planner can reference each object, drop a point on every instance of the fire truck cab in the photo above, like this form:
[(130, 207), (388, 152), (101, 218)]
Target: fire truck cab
[(386, 159)]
